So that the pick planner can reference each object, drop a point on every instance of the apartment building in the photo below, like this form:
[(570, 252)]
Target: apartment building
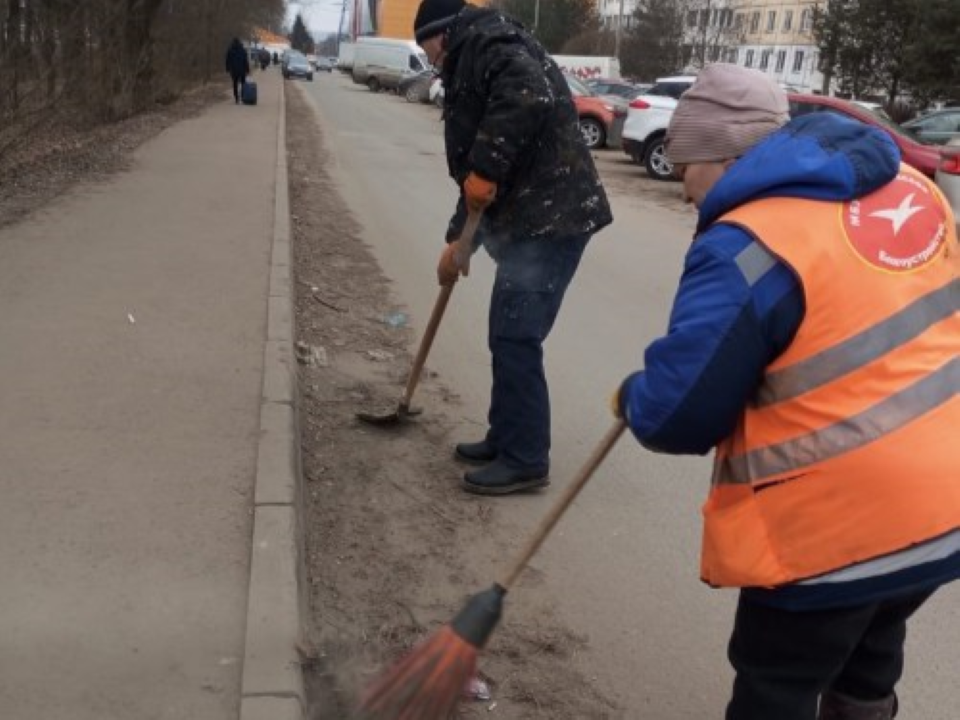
[(773, 36), (614, 12), (776, 37)]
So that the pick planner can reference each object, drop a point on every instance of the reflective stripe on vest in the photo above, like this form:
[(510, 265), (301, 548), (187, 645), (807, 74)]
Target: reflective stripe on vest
[(848, 451)]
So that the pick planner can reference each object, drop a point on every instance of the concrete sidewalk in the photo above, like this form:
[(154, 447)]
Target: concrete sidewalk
[(148, 462)]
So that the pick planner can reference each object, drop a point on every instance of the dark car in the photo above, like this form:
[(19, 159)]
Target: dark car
[(924, 158), (297, 66), (323, 64), (416, 88)]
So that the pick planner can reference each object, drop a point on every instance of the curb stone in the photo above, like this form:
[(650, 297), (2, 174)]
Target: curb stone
[(272, 684)]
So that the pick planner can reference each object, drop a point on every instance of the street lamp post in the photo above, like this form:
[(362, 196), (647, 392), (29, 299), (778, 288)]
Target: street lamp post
[(343, 10)]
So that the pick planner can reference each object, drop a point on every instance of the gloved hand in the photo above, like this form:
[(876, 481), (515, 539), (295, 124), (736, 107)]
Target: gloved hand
[(616, 400), (478, 192), (452, 265), (615, 404)]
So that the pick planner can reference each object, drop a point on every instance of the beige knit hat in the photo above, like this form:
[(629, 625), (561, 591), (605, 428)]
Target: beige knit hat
[(728, 110)]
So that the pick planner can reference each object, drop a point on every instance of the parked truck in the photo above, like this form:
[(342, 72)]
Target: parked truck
[(345, 57), (587, 67), (381, 63)]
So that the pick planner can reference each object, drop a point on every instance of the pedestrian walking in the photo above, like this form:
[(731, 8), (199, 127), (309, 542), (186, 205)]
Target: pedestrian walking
[(514, 148), (814, 342), (238, 66)]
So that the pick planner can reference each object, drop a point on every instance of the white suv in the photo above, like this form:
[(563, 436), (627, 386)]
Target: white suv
[(647, 119)]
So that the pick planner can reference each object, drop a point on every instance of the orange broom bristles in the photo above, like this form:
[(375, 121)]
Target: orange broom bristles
[(427, 684), (424, 685)]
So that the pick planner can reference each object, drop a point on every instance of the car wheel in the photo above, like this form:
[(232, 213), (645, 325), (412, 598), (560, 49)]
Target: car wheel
[(412, 94), (592, 132), (658, 167), (373, 84)]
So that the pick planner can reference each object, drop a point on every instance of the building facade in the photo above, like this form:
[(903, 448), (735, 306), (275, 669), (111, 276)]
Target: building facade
[(776, 37), (616, 12), (773, 36), (395, 17)]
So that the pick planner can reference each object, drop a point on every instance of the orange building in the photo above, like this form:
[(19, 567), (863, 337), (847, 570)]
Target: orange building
[(396, 17)]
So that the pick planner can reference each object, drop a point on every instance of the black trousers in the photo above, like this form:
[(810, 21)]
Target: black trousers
[(784, 660), (238, 81)]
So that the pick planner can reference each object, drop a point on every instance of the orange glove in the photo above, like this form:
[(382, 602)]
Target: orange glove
[(478, 192)]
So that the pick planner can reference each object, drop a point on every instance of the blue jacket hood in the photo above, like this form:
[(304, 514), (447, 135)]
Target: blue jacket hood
[(820, 156)]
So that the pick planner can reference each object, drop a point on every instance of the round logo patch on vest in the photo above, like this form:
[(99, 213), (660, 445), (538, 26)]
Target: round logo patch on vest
[(899, 228)]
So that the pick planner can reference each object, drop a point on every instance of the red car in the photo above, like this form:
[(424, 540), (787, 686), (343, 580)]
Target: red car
[(601, 116), (924, 158)]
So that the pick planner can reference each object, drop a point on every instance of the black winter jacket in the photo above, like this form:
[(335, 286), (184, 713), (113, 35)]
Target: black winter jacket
[(238, 64), (510, 117)]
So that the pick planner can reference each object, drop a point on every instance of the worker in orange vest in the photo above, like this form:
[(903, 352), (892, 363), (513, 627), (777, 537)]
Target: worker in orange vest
[(814, 342)]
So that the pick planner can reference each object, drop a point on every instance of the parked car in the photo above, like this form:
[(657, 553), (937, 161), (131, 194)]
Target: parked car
[(297, 66), (436, 91), (948, 175), (648, 117), (416, 88), (924, 158), (323, 64), (939, 126), (616, 88), (601, 118), (673, 87)]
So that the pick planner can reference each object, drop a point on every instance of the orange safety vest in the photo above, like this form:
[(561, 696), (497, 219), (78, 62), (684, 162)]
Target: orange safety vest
[(851, 448)]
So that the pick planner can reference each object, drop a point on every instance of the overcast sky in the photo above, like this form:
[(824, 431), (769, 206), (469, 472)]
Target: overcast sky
[(320, 16)]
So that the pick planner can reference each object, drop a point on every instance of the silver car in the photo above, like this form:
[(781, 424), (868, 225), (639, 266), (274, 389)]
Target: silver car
[(948, 175)]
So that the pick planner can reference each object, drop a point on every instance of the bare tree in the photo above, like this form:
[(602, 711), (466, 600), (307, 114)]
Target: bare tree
[(102, 60)]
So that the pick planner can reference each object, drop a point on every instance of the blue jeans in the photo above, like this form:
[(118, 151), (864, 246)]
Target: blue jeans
[(532, 277)]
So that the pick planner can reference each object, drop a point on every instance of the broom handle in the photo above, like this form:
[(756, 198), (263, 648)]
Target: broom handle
[(563, 502), (439, 307)]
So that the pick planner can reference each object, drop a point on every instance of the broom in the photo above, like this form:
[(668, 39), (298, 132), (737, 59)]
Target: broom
[(428, 682)]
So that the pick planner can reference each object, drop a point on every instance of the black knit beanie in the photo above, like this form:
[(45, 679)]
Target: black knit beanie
[(434, 17)]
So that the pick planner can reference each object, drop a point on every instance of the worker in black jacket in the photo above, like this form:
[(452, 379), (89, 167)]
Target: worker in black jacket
[(514, 147)]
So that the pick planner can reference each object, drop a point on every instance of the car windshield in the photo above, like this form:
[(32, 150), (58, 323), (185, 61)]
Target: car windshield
[(578, 87)]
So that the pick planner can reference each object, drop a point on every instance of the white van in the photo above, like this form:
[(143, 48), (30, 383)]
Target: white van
[(380, 63)]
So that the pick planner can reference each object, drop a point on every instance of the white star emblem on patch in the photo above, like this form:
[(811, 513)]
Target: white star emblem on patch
[(899, 216)]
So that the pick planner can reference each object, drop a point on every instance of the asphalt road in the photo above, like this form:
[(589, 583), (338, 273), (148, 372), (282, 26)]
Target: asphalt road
[(622, 567)]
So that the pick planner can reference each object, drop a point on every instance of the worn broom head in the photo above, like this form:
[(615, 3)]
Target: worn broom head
[(428, 682)]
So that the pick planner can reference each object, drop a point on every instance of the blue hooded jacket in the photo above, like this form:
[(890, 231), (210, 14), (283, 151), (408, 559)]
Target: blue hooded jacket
[(725, 330)]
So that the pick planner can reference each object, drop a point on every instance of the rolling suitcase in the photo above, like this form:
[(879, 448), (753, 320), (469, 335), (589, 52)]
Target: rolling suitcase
[(248, 93)]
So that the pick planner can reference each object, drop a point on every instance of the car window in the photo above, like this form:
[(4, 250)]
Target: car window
[(669, 89), (577, 87), (940, 123)]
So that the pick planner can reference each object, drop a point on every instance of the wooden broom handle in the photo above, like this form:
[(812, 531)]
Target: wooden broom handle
[(439, 307), (429, 334), (563, 502)]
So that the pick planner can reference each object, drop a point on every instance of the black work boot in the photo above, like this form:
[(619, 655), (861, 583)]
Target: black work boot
[(834, 706), (477, 453), (500, 479)]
